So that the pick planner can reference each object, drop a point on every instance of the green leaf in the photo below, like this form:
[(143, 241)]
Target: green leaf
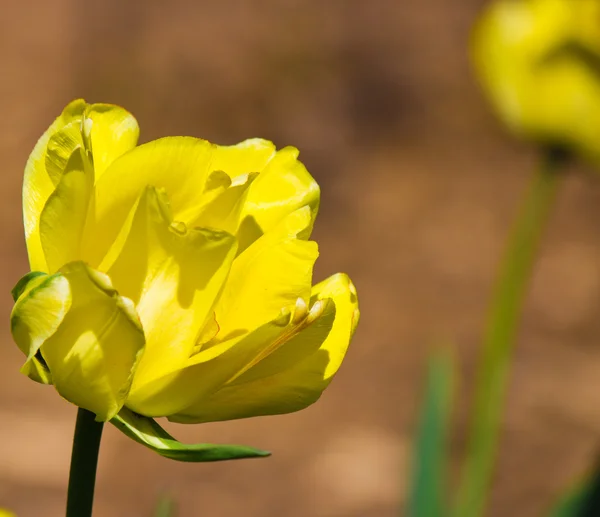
[(427, 487), (581, 501), (147, 432)]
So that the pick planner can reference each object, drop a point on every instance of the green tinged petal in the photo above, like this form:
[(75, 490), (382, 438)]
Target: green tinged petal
[(41, 307), (93, 353)]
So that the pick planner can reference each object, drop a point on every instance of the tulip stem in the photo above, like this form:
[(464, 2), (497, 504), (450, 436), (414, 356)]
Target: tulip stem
[(84, 459), (499, 337)]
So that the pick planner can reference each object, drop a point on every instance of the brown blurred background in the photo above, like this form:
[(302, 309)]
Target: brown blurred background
[(419, 187)]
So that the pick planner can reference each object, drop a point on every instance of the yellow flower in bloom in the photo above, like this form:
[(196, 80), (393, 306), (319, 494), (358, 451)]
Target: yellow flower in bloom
[(539, 63), (174, 278)]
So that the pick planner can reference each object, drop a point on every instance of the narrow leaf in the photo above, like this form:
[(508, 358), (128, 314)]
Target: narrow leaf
[(166, 507), (581, 501), (427, 490), (149, 433)]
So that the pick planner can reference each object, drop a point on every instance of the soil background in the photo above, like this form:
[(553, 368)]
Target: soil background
[(419, 187)]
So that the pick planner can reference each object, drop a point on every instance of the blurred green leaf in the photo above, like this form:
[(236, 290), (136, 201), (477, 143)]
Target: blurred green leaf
[(147, 432), (500, 336), (580, 501), (428, 478), (166, 507)]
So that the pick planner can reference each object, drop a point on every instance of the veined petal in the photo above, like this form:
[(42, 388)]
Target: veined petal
[(40, 308), (174, 275), (297, 371), (61, 146), (63, 218), (179, 165), (37, 185), (272, 273), (282, 187), (95, 350)]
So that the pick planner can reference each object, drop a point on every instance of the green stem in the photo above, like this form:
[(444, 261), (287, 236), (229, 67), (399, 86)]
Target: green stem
[(507, 301), (84, 459)]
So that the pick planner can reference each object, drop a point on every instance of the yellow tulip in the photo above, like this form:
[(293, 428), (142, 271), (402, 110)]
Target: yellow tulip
[(174, 278), (539, 64)]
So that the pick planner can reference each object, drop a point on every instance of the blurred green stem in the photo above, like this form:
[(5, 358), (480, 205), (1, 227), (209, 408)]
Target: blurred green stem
[(84, 460), (500, 333)]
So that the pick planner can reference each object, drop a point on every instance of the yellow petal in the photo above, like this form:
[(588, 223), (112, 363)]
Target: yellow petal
[(205, 372), (296, 372), (110, 129), (94, 352), (113, 131), (38, 312), (272, 273), (61, 146), (63, 218), (222, 210), (248, 156), (174, 275), (179, 165), (37, 185), (282, 187)]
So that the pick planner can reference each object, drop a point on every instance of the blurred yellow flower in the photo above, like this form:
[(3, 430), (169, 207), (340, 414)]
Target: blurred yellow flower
[(174, 278), (539, 63), (6, 513)]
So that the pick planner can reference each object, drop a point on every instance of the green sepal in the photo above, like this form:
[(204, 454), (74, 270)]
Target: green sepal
[(146, 431), (18, 289)]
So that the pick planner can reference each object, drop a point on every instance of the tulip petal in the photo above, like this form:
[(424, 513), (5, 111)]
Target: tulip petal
[(42, 303), (37, 185), (147, 432), (222, 210), (110, 129), (174, 275), (280, 367), (295, 374), (272, 273), (61, 146), (178, 165), (63, 218), (251, 155), (206, 371), (282, 187), (113, 131), (95, 350)]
